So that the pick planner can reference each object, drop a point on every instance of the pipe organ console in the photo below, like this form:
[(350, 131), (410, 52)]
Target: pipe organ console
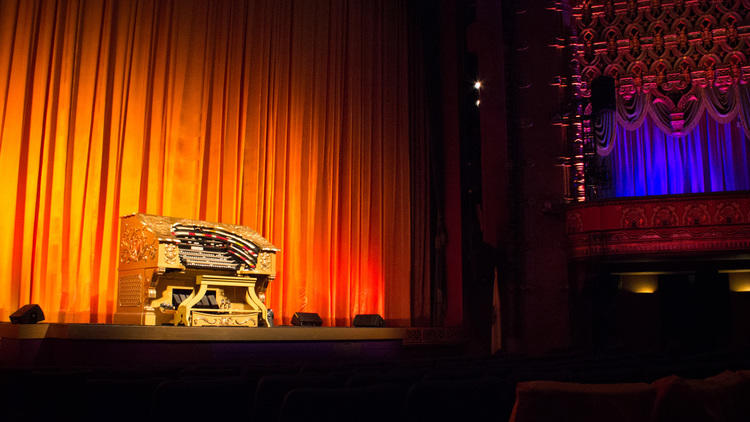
[(190, 272)]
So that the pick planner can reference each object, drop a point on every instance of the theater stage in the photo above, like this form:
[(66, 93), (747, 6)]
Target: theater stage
[(67, 345)]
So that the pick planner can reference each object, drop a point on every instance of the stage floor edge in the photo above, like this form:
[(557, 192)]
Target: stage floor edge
[(210, 334), (69, 345)]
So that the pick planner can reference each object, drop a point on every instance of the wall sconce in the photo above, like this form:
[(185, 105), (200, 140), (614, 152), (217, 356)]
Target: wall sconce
[(642, 282), (739, 280)]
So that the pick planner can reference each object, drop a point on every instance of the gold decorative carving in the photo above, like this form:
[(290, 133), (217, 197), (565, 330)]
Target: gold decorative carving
[(172, 254), (264, 262), (169, 256), (202, 319), (135, 245), (129, 290), (186, 314), (159, 224)]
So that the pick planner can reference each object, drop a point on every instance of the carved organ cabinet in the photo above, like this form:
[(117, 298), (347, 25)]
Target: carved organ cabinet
[(176, 271)]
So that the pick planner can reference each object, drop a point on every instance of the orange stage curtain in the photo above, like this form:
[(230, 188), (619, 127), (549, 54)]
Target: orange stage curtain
[(289, 117)]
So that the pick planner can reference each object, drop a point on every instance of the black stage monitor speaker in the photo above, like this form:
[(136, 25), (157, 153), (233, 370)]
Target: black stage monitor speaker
[(27, 314), (602, 94), (306, 319), (368, 320)]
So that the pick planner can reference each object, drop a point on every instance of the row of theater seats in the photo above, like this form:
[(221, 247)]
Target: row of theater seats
[(721, 398), (551, 388)]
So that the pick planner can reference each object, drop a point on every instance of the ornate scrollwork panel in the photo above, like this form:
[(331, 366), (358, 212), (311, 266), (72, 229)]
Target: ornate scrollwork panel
[(633, 218), (728, 213), (697, 215), (136, 245), (665, 216), (265, 261)]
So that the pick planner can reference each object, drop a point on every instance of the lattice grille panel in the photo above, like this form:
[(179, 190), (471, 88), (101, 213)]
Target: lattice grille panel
[(129, 290)]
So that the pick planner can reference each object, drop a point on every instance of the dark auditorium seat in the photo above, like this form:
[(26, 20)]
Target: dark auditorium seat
[(721, 398), (372, 403), (211, 371), (360, 380), (111, 398), (202, 399), (456, 372), (553, 401), (486, 398), (271, 390), (61, 390)]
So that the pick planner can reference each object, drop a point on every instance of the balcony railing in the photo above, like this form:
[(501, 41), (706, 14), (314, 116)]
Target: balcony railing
[(660, 225)]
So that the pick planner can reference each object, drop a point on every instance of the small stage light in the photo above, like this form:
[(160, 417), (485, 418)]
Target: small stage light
[(477, 85)]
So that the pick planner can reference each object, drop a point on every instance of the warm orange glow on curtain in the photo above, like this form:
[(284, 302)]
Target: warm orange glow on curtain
[(290, 117)]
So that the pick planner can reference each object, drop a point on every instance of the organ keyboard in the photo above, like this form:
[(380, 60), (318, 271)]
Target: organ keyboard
[(192, 272)]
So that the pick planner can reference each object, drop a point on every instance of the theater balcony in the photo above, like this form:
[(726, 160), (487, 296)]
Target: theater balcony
[(661, 273), (658, 226)]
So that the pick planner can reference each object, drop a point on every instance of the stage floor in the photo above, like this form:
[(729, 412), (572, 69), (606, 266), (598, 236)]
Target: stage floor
[(53, 344), (201, 334)]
